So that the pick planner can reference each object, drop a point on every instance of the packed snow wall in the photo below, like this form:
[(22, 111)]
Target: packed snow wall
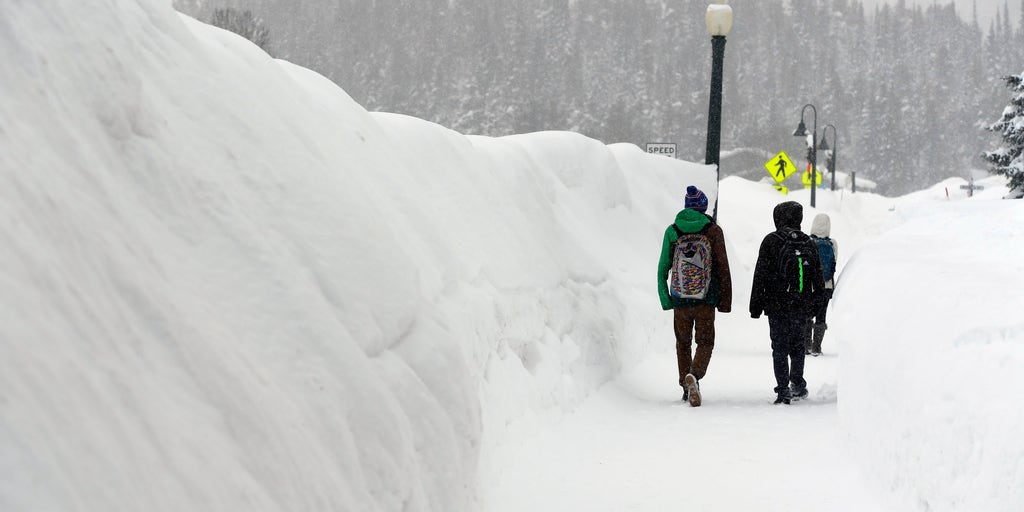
[(932, 349), (227, 286)]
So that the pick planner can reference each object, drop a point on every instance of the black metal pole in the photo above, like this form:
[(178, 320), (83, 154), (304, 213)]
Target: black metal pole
[(835, 156), (814, 150), (711, 154), (835, 152), (814, 159)]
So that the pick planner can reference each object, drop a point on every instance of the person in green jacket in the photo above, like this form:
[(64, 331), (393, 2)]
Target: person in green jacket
[(693, 281)]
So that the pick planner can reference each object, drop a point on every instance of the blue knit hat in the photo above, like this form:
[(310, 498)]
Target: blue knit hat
[(695, 199)]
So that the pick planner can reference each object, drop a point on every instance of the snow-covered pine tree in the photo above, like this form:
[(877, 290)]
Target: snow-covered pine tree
[(244, 24), (1008, 160)]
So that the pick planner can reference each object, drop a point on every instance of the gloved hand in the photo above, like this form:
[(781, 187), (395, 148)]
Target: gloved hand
[(755, 314), (724, 310)]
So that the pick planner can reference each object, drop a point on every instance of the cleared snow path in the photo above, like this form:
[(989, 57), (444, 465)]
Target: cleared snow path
[(634, 445)]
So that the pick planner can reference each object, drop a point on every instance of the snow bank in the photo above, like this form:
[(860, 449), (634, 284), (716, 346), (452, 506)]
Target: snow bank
[(932, 344), (229, 287)]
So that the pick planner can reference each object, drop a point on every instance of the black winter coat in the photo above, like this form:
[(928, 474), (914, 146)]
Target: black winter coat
[(768, 294)]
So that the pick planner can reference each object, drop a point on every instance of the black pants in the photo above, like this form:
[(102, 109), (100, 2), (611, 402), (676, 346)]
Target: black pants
[(821, 308), (787, 333), (814, 333)]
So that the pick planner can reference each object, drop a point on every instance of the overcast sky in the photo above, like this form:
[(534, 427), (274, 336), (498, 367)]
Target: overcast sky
[(986, 8)]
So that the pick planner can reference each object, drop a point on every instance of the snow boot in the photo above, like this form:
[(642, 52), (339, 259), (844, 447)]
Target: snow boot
[(819, 334), (798, 393), (783, 398), (692, 390)]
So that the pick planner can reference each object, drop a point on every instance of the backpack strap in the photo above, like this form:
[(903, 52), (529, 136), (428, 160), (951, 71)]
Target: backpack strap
[(679, 233)]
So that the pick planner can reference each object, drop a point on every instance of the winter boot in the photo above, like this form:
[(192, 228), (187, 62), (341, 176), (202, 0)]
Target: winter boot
[(798, 393), (783, 398), (819, 334), (692, 390)]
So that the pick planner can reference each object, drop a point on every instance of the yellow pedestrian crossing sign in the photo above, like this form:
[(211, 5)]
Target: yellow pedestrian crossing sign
[(780, 167), (805, 178)]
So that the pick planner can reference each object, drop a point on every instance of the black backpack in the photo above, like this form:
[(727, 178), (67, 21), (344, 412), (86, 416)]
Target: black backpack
[(794, 268)]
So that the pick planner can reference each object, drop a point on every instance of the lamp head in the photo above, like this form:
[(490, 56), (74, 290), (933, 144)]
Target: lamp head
[(718, 18), (823, 146), (801, 130)]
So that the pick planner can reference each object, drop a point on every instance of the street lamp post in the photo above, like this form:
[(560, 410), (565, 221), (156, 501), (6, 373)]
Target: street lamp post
[(801, 131), (719, 21), (835, 148)]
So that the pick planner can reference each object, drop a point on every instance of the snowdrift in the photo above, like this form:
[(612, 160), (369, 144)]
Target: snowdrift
[(932, 347), (229, 287)]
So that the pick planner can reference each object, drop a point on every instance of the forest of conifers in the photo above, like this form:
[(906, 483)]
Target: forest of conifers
[(909, 89)]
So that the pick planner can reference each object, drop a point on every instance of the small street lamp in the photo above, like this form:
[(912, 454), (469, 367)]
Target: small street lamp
[(718, 20), (824, 147), (801, 131)]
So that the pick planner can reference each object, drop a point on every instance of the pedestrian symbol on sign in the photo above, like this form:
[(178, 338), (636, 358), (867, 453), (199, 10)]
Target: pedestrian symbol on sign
[(781, 173)]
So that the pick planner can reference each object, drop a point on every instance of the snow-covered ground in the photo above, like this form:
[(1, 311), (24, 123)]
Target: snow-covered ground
[(912, 404), (226, 286)]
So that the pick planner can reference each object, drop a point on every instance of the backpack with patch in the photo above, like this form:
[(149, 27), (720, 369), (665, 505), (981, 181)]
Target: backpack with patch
[(691, 265), (827, 255), (793, 267)]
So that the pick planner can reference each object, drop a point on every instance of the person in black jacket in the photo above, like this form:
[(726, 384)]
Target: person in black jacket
[(787, 282)]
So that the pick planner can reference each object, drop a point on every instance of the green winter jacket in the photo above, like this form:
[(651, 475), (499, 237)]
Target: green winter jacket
[(720, 292)]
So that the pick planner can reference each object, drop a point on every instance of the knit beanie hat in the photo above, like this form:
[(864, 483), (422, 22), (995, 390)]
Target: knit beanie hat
[(695, 199)]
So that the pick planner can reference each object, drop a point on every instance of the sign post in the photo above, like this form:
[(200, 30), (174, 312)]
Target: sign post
[(970, 187)]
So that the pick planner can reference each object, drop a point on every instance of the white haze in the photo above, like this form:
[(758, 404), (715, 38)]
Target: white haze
[(987, 9)]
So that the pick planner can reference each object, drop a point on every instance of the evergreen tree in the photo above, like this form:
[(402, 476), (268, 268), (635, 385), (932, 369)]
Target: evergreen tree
[(906, 86), (1019, 45), (244, 24), (1008, 160)]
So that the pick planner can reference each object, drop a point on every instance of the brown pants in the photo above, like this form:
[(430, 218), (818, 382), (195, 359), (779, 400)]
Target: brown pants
[(697, 322)]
